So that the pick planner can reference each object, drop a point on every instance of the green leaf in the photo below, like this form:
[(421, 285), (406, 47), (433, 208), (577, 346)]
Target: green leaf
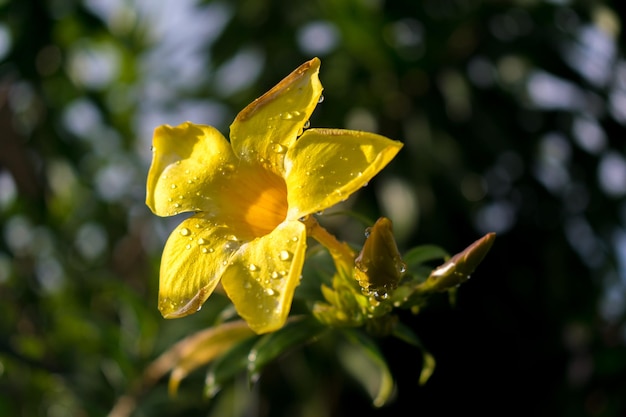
[(226, 367), (422, 254), (404, 333), (272, 345), (362, 358), (199, 349)]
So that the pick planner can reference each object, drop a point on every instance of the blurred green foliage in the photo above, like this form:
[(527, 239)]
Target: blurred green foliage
[(513, 116)]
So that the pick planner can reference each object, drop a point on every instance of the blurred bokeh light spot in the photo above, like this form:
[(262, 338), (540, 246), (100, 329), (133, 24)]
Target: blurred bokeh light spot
[(612, 174), (49, 273), (239, 72), (81, 117), (115, 180), (548, 91), (91, 240), (318, 38), (592, 55), (18, 234), (481, 72), (473, 187), (589, 135), (5, 41), (498, 217), (94, 65), (400, 204), (8, 190)]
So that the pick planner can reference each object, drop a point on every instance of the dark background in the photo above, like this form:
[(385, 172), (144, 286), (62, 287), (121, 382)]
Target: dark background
[(513, 117)]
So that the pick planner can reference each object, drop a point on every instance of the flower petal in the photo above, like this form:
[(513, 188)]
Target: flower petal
[(262, 277), (326, 166), (188, 162), (194, 257), (266, 128)]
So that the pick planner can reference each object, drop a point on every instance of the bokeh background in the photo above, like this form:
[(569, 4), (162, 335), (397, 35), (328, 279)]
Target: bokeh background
[(513, 116)]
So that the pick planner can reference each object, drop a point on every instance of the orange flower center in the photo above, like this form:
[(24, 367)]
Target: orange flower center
[(259, 201)]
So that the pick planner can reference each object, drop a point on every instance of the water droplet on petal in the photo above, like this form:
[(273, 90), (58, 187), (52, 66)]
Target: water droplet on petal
[(278, 148), (202, 241), (321, 99), (294, 239), (205, 250), (173, 186), (307, 124), (188, 246), (285, 255), (275, 275), (368, 231), (270, 292), (286, 116), (253, 267), (185, 232)]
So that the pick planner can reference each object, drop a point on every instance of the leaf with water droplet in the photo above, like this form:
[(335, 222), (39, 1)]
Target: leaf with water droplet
[(226, 367)]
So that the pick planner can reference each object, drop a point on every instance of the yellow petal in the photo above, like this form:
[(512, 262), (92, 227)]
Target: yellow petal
[(264, 274), (195, 255), (326, 166), (268, 127), (189, 161)]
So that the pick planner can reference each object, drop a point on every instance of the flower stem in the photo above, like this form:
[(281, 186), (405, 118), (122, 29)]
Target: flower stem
[(341, 252)]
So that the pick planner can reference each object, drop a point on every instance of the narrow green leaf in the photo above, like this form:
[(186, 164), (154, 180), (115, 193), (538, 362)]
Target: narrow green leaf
[(422, 254), (226, 367), (296, 332), (404, 333), (362, 358)]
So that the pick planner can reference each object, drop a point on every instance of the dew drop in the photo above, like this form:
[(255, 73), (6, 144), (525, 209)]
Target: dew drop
[(294, 239), (202, 241), (185, 232), (173, 186), (285, 255), (275, 275), (205, 250), (253, 267), (188, 246), (286, 116), (321, 99), (307, 124), (401, 267), (211, 250), (270, 292), (177, 205), (368, 231), (278, 148)]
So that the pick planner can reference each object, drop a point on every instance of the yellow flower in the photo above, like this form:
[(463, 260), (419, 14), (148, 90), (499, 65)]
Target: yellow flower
[(248, 196)]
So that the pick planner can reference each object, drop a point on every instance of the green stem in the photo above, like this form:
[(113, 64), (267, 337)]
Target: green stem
[(342, 253)]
